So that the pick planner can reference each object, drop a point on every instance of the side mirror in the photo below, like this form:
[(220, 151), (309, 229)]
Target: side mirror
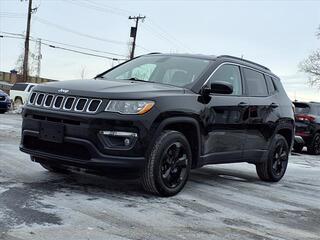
[(221, 87)]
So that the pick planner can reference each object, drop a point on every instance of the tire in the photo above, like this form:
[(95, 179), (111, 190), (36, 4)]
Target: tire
[(17, 103), (50, 167), (275, 167), (314, 147), (298, 147), (168, 165), (2, 111)]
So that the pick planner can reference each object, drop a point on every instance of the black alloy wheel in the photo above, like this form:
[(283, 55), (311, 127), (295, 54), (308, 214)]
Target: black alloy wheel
[(168, 164), (314, 147), (280, 159), (174, 163), (275, 166)]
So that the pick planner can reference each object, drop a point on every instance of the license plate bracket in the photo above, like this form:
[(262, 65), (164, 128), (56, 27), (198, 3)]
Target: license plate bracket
[(51, 132)]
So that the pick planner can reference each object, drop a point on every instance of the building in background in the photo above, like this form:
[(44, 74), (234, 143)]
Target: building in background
[(7, 79)]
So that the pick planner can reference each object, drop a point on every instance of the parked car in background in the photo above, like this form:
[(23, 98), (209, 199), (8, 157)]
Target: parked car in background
[(162, 115), (19, 93), (307, 116), (5, 102)]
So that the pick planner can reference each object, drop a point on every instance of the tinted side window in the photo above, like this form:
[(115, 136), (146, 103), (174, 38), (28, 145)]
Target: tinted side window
[(19, 86), (230, 74), (270, 85), (256, 84)]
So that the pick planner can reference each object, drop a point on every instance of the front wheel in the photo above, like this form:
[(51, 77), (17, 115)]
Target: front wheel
[(275, 167), (168, 165)]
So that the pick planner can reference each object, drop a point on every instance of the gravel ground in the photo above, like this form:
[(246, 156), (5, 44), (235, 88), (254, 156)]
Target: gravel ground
[(219, 202)]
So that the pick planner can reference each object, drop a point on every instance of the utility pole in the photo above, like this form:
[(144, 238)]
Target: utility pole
[(26, 44), (133, 32)]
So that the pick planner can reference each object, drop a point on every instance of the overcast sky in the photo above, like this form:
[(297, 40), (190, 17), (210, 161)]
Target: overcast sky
[(277, 34)]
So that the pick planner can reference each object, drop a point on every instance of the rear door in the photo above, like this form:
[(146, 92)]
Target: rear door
[(263, 113)]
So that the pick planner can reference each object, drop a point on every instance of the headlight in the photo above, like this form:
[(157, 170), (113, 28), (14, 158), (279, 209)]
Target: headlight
[(129, 106)]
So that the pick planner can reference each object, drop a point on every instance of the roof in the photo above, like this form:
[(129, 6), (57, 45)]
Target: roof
[(214, 57)]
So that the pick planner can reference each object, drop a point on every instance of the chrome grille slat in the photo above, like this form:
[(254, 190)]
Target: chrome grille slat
[(48, 104), (91, 102), (84, 105), (54, 106), (65, 103), (41, 97)]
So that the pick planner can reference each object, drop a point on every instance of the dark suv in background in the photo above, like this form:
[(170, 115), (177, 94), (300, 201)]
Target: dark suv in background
[(162, 115), (307, 116)]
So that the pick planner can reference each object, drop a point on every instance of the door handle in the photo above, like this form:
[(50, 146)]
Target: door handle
[(243, 105), (274, 105)]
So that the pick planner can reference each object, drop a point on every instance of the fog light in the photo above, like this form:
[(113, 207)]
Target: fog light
[(118, 139), (119, 134), (126, 142)]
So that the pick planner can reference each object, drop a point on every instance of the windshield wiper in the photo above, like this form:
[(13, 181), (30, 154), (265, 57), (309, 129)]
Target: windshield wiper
[(135, 79)]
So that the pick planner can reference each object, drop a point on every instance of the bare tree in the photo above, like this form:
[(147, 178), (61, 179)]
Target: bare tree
[(311, 66)]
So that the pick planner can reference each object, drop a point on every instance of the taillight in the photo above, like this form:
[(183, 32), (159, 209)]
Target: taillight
[(305, 118)]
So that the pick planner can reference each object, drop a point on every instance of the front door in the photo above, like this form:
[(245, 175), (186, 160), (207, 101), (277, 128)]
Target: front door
[(224, 118)]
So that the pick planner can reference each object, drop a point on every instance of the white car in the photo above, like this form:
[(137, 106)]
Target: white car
[(19, 93)]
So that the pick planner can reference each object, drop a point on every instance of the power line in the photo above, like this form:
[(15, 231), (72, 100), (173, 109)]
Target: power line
[(66, 44), (46, 22), (67, 49), (80, 52)]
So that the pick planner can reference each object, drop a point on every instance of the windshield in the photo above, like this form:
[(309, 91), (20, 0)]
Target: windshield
[(172, 70)]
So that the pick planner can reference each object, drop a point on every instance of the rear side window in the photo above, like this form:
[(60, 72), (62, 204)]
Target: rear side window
[(301, 108), (270, 84), (256, 83), (230, 74), (19, 86)]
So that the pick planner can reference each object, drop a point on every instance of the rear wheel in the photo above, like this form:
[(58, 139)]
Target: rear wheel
[(17, 103), (275, 167), (168, 165), (2, 111), (314, 147)]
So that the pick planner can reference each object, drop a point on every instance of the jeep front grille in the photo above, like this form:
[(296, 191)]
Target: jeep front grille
[(65, 103)]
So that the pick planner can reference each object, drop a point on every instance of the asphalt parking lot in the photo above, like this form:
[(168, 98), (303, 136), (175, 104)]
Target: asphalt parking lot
[(219, 202)]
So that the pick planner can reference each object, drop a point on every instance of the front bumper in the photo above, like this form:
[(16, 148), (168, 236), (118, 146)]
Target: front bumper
[(82, 146), (5, 105)]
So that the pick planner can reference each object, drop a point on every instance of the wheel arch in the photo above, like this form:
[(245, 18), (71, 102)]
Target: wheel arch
[(190, 128), (18, 97), (288, 134)]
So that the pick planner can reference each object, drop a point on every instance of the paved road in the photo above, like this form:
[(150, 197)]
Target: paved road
[(219, 202)]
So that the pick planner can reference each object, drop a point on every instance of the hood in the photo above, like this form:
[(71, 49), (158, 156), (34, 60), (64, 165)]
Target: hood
[(3, 94), (118, 89)]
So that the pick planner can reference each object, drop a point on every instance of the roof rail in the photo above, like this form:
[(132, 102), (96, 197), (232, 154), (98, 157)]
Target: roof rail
[(315, 102), (245, 60)]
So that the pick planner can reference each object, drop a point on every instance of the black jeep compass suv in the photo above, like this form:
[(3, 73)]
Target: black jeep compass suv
[(162, 115)]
